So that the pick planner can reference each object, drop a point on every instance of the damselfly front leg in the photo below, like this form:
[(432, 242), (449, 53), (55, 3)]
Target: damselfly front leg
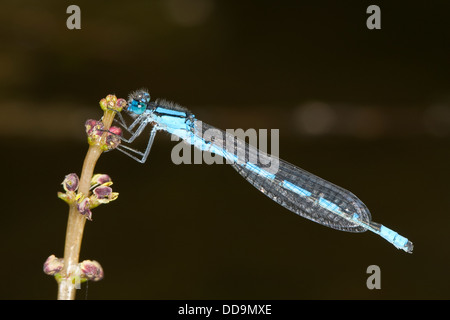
[(143, 123), (143, 155)]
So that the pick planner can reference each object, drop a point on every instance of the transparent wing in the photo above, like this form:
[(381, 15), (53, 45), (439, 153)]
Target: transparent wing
[(295, 189)]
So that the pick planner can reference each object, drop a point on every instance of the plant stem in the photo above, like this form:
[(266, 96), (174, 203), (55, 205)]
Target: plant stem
[(76, 221)]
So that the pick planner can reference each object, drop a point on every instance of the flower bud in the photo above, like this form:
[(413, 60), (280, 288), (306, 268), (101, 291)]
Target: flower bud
[(112, 103), (70, 182), (91, 270), (94, 130), (102, 195), (103, 104), (84, 206), (101, 179), (102, 192), (120, 104), (53, 265), (113, 138)]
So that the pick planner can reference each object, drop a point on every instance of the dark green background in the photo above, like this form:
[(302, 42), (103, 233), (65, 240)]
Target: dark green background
[(203, 232)]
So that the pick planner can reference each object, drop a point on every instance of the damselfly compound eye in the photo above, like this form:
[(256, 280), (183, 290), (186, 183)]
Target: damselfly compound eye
[(138, 101)]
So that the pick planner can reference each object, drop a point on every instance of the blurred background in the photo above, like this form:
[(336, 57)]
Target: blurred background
[(368, 110)]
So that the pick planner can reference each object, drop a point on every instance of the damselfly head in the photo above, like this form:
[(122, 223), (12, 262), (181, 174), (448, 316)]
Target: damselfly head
[(138, 101)]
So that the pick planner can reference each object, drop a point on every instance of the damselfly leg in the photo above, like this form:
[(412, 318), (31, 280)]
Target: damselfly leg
[(143, 155)]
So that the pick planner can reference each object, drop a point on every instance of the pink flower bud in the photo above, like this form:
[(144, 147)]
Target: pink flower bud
[(70, 182), (53, 265), (84, 207), (102, 192), (113, 138), (120, 104), (91, 270), (101, 179), (102, 195)]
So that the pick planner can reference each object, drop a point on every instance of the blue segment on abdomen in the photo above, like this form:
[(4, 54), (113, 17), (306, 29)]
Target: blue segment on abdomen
[(329, 205), (393, 237), (173, 123), (290, 186), (169, 111)]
